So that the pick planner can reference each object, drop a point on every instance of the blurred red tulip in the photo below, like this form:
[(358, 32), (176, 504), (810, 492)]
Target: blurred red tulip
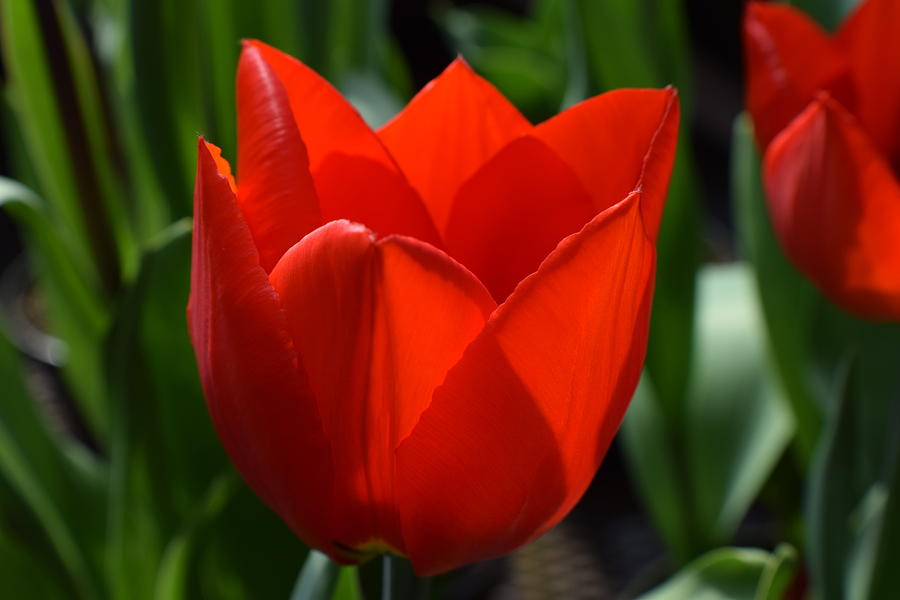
[(827, 114), (422, 340)]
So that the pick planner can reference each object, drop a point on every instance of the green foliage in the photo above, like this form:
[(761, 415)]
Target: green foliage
[(731, 574), (735, 423)]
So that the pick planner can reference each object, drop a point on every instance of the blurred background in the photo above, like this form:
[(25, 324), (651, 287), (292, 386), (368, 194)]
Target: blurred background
[(112, 482)]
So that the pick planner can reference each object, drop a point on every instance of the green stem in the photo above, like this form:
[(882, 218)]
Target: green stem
[(387, 577)]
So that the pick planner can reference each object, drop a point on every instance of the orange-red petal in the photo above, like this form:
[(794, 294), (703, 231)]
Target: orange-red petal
[(871, 39), (514, 435), (377, 324), (355, 176), (788, 59), (360, 189), (275, 188), (835, 204), (447, 132), (259, 400), (513, 211), (619, 142), (326, 121)]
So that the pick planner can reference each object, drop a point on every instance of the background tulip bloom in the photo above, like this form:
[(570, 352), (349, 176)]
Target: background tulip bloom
[(827, 113), (423, 339)]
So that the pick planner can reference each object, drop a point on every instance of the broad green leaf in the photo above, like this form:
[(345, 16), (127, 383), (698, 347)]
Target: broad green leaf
[(660, 477), (699, 475), (737, 424), (778, 574), (727, 574), (789, 303)]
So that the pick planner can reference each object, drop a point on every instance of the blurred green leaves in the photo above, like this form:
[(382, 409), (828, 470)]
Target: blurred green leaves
[(735, 424), (731, 574)]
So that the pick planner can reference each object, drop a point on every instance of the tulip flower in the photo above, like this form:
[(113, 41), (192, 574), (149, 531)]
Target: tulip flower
[(826, 110), (422, 339)]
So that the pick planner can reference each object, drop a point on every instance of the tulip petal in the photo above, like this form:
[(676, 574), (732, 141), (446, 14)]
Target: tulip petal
[(513, 211), (514, 435), (326, 121), (355, 176), (835, 205), (788, 59), (871, 38), (365, 191), (275, 188), (377, 324), (447, 132), (258, 400), (619, 142)]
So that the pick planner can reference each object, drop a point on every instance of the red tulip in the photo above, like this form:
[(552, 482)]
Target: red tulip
[(422, 339), (827, 114)]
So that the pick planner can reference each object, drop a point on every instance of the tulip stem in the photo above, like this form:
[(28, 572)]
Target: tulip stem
[(387, 578)]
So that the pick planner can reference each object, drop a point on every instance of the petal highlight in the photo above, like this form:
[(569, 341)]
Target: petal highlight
[(259, 401), (275, 188), (447, 131), (515, 434), (326, 121), (835, 204)]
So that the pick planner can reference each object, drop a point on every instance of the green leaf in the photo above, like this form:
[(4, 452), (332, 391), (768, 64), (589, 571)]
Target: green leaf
[(41, 472), (35, 101), (27, 575), (728, 574), (778, 574), (164, 453), (733, 430), (317, 578), (174, 570), (169, 91), (885, 577), (347, 586), (98, 167), (788, 301), (737, 424), (524, 57), (659, 475), (246, 551), (834, 491), (75, 311)]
